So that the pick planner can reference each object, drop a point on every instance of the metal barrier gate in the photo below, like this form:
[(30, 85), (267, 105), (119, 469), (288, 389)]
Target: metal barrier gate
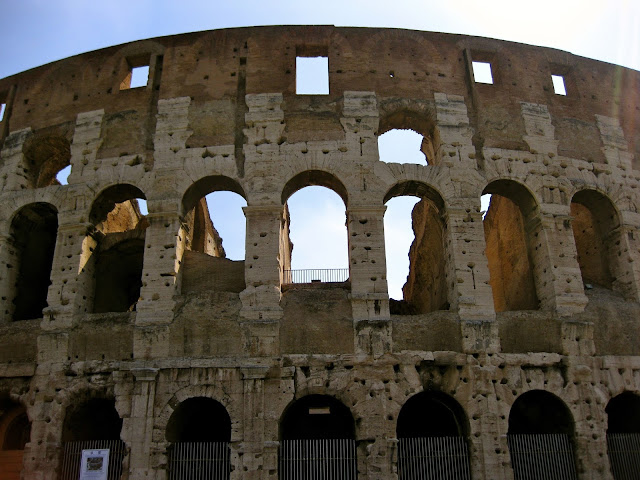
[(325, 459), (433, 458), (316, 275), (538, 456), (624, 455), (199, 461), (72, 457)]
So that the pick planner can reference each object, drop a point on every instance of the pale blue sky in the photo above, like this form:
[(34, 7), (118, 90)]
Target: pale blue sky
[(35, 32)]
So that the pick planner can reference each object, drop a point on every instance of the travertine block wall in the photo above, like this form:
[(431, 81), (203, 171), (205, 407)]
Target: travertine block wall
[(220, 112)]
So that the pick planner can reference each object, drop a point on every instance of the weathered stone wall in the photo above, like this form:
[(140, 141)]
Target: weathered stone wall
[(220, 112)]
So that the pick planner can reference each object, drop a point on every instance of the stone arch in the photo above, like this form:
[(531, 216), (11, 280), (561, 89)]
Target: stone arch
[(45, 155), (623, 434), (15, 433), (595, 229), (202, 243), (33, 234), (510, 228), (623, 413), (113, 250), (433, 431), (427, 288), (319, 178), (540, 436)]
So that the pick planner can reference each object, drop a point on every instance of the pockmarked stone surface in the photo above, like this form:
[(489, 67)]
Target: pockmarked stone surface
[(133, 328)]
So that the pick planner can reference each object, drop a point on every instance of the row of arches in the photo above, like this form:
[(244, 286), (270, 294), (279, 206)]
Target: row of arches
[(317, 435), (113, 250)]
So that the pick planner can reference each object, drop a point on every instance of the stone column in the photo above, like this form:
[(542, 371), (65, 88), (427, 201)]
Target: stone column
[(470, 293), (252, 467), (12, 176), (137, 429), (368, 276), (8, 274), (261, 311), (556, 272)]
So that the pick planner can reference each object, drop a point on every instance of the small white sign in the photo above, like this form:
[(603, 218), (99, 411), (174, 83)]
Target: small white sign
[(95, 464)]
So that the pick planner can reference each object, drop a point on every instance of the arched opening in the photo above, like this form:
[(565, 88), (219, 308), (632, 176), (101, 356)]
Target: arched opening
[(417, 281), (317, 440), (212, 212), (432, 435), (199, 431), (314, 242), (33, 235), (623, 435), (508, 225), (540, 437), (113, 252), (45, 157), (15, 433), (407, 136), (594, 224), (92, 425)]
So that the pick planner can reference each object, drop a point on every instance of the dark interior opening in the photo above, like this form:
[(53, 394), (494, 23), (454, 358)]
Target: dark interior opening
[(317, 417), (624, 413), (539, 412), (431, 414), (199, 419), (95, 419)]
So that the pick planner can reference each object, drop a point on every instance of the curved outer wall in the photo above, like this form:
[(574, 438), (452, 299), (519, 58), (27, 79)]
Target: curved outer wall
[(222, 104)]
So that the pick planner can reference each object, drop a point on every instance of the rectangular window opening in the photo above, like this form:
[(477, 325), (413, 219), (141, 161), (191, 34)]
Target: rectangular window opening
[(3, 107), (558, 85), (312, 75), (139, 76), (482, 72)]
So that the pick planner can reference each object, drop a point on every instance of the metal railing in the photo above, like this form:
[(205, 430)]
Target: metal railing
[(316, 275), (624, 455), (199, 461), (537, 456), (72, 457), (323, 459), (433, 458)]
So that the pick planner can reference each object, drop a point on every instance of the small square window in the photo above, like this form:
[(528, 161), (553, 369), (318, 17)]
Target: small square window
[(558, 84), (482, 72), (3, 107), (139, 76), (312, 75)]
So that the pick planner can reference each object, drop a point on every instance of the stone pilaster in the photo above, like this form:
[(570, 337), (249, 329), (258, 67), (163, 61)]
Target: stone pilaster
[(87, 139), (452, 139), (253, 421), (614, 144), (12, 175), (540, 132), (8, 275)]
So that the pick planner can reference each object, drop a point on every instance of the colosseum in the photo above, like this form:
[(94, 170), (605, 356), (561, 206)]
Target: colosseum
[(131, 348)]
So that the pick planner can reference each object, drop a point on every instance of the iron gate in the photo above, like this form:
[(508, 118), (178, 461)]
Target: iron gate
[(536, 456), (199, 461), (323, 459), (624, 455), (72, 457), (433, 458)]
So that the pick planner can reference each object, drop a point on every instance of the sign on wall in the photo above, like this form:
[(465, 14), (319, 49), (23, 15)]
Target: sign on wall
[(95, 464)]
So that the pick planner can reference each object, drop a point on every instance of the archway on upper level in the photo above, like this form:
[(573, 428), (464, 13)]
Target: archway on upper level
[(213, 234), (113, 251), (415, 249), (595, 222), (540, 437), (91, 424), (311, 426), (15, 433), (34, 229), (433, 433), (45, 157), (510, 248), (313, 234), (199, 430), (623, 434), (406, 136)]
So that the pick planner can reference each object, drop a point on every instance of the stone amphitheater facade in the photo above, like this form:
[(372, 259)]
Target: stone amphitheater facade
[(113, 321)]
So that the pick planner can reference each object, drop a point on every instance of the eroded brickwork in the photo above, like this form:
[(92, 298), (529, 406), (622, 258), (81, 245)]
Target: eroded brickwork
[(514, 304)]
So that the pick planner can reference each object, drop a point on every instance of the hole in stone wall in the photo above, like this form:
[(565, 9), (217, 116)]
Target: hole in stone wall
[(139, 76), (15, 427), (558, 84), (404, 146), (95, 419), (318, 235), (45, 159), (33, 234), (508, 247), (115, 259), (137, 72), (312, 75), (432, 414), (63, 175), (417, 280), (199, 419), (3, 107), (482, 72)]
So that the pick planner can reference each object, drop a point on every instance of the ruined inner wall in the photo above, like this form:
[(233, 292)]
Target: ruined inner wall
[(220, 112)]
